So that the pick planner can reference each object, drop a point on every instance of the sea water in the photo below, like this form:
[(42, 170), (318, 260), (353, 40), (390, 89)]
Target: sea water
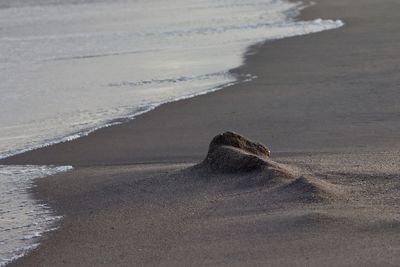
[(22, 219), (68, 67)]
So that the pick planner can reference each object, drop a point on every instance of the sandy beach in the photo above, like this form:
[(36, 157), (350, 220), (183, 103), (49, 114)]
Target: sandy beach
[(326, 105)]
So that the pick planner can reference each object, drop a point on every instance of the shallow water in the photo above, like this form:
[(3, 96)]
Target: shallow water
[(72, 66), (22, 220), (69, 67)]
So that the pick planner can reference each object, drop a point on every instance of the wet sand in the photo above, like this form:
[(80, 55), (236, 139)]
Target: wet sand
[(326, 104)]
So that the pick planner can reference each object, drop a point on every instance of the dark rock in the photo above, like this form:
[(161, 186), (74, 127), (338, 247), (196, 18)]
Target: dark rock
[(231, 152), (238, 141)]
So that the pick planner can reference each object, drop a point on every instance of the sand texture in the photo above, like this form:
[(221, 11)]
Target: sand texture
[(185, 215), (151, 192)]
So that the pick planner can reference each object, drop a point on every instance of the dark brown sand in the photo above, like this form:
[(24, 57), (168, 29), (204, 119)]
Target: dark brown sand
[(326, 104)]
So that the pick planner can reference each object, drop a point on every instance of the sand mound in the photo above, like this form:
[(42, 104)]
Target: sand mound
[(309, 189), (245, 164), (230, 159), (231, 152), (239, 163), (232, 139)]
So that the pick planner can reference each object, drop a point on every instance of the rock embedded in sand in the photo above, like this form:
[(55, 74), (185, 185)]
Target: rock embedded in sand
[(231, 152), (238, 141)]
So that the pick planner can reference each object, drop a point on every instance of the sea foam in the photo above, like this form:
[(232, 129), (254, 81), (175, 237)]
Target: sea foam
[(22, 219)]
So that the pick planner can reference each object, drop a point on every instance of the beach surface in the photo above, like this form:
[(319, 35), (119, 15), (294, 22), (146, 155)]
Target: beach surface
[(326, 104)]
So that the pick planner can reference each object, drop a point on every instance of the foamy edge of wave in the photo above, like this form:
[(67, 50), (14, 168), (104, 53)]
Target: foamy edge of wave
[(151, 106), (139, 111), (37, 172), (291, 14)]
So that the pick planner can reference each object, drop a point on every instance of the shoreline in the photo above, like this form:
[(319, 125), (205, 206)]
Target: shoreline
[(326, 120), (107, 160), (235, 77), (29, 157)]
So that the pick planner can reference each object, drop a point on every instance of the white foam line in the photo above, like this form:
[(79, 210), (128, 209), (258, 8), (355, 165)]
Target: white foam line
[(291, 14), (147, 108), (27, 219)]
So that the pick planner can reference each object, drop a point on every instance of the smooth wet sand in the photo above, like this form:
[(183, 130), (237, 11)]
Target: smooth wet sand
[(326, 104)]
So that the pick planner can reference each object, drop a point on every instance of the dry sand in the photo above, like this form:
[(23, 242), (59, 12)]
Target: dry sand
[(326, 104), (178, 215)]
